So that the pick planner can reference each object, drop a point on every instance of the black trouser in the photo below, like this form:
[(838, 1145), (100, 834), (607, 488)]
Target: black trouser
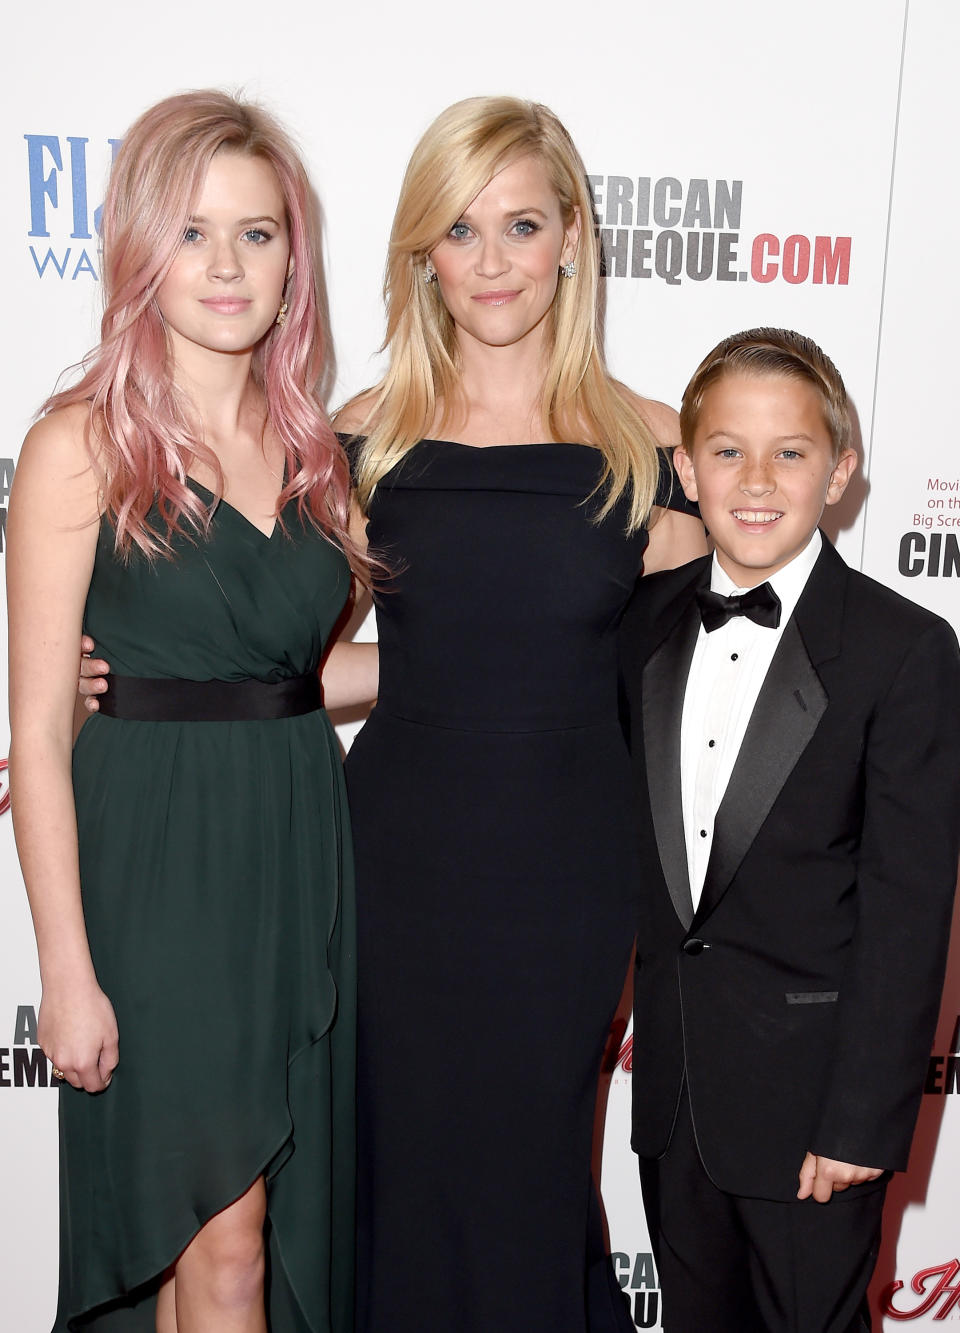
[(730, 1264)]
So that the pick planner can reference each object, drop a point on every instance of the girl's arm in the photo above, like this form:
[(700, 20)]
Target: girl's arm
[(52, 536)]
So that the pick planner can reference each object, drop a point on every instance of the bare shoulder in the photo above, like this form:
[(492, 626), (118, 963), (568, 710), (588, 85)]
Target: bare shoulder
[(56, 461), (351, 419), (662, 420)]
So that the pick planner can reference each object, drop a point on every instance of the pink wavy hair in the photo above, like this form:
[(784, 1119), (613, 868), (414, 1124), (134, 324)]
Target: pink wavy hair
[(142, 442)]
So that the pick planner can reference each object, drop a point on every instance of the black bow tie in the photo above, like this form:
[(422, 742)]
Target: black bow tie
[(761, 605)]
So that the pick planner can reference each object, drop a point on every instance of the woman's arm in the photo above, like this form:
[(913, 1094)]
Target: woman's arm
[(52, 535)]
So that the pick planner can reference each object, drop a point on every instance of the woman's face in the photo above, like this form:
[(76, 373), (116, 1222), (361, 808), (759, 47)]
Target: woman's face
[(498, 266), (225, 286)]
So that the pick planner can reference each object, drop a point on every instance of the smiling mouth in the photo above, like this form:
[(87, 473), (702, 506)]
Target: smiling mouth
[(496, 297), (758, 516)]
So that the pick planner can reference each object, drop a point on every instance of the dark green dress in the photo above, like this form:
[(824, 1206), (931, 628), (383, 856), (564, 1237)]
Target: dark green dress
[(217, 888)]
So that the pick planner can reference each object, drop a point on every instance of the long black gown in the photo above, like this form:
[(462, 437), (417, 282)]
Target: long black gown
[(496, 885)]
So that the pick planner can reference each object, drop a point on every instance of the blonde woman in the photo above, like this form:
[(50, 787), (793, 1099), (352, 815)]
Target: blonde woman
[(510, 483)]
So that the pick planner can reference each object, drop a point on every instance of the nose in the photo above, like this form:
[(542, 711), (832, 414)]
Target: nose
[(491, 260), (225, 261), (756, 477)]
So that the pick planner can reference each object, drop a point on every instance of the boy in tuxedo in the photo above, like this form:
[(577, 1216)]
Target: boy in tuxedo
[(795, 731)]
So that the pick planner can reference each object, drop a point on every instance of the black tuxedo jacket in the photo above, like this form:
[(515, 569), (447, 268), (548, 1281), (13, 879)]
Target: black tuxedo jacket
[(800, 999)]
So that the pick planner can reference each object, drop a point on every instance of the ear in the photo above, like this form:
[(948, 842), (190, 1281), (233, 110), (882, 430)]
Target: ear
[(841, 475), (683, 462), (571, 241)]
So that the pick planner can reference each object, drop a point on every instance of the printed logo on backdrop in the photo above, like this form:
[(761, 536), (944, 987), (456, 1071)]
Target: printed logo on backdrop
[(637, 1276), (62, 239), (23, 1064), (681, 231), (943, 1071), (7, 469), (934, 1291), (931, 548)]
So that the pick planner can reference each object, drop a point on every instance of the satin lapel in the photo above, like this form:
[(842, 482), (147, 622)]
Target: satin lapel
[(787, 712), (664, 684)]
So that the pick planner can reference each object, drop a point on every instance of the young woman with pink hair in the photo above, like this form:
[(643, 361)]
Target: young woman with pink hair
[(190, 882)]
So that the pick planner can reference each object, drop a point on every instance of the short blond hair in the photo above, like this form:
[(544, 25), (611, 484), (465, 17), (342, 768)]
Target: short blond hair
[(771, 352)]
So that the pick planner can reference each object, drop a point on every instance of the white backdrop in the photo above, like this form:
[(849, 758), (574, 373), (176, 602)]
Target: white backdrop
[(751, 164)]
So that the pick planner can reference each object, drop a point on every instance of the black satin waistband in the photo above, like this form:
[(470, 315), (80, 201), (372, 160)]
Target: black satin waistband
[(143, 699)]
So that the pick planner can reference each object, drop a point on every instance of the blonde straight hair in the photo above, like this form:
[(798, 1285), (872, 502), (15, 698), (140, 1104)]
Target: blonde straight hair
[(457, 157)]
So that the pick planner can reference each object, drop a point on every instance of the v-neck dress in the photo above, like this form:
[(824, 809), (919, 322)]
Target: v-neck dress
[(216, 875), (497, 878)]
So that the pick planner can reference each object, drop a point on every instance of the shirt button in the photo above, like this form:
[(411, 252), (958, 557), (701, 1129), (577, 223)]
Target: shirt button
[(734, 656), (703, 833), (711, 744)]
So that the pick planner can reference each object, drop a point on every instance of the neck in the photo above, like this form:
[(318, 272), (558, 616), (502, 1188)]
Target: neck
[(502, 388), (221, 390)]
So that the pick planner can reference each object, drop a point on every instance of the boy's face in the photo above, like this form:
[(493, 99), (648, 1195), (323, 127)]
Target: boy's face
[(761, 467)]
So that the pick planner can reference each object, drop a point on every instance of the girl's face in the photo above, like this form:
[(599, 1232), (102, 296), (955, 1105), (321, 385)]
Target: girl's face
[(498, 266), (225, 286)]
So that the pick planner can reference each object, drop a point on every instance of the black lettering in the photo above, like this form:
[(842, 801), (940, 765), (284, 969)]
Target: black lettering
[(6, 478), (5, 1067), (951, 558), (934, 1072), (644, 1273), (621, 1266), (951, 1082), (646, 1309), (643, 201), (955, 1039), (912, 546), (596, 196), (933, 555), (29, 1067)]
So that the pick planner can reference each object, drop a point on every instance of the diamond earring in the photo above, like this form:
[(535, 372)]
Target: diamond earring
[(569, 269), (282, 314), (429, 272)]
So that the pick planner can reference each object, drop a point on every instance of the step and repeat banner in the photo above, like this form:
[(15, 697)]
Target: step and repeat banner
[(750, 164)]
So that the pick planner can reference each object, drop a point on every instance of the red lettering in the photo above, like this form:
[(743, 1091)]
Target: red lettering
[(796, 259), (946, 1273), (764, 246), (831, 260)]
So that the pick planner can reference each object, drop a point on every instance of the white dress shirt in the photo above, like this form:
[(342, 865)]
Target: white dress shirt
[(727, 669)]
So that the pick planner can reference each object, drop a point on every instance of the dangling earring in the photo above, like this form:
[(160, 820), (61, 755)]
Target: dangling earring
[(429, 272), (569, 269), (282, 314)]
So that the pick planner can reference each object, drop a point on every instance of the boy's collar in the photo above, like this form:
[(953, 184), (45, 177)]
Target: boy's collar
[(788, 583)]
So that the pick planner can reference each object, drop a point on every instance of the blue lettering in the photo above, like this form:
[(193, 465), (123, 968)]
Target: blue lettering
[(78, 180), (42, 187), (50, 258), (84, 266)]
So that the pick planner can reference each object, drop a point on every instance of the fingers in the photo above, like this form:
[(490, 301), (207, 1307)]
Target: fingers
[(823, 1177), (89, 1074), (93, 668), (808, 1174)]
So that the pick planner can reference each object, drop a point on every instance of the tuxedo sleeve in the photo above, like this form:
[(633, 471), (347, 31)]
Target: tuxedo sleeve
[(906, 877)]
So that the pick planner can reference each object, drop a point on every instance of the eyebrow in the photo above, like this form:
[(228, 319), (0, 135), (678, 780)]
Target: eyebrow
[(241, 222), (515, 212), (779, 439)]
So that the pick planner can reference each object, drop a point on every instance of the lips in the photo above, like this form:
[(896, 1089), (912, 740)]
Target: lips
[(222, 305), (495, 298)]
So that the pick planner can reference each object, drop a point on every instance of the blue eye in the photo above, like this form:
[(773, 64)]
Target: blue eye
[(459, 231), (258, 236), (526, 227), (191, 234), (790, 453)]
